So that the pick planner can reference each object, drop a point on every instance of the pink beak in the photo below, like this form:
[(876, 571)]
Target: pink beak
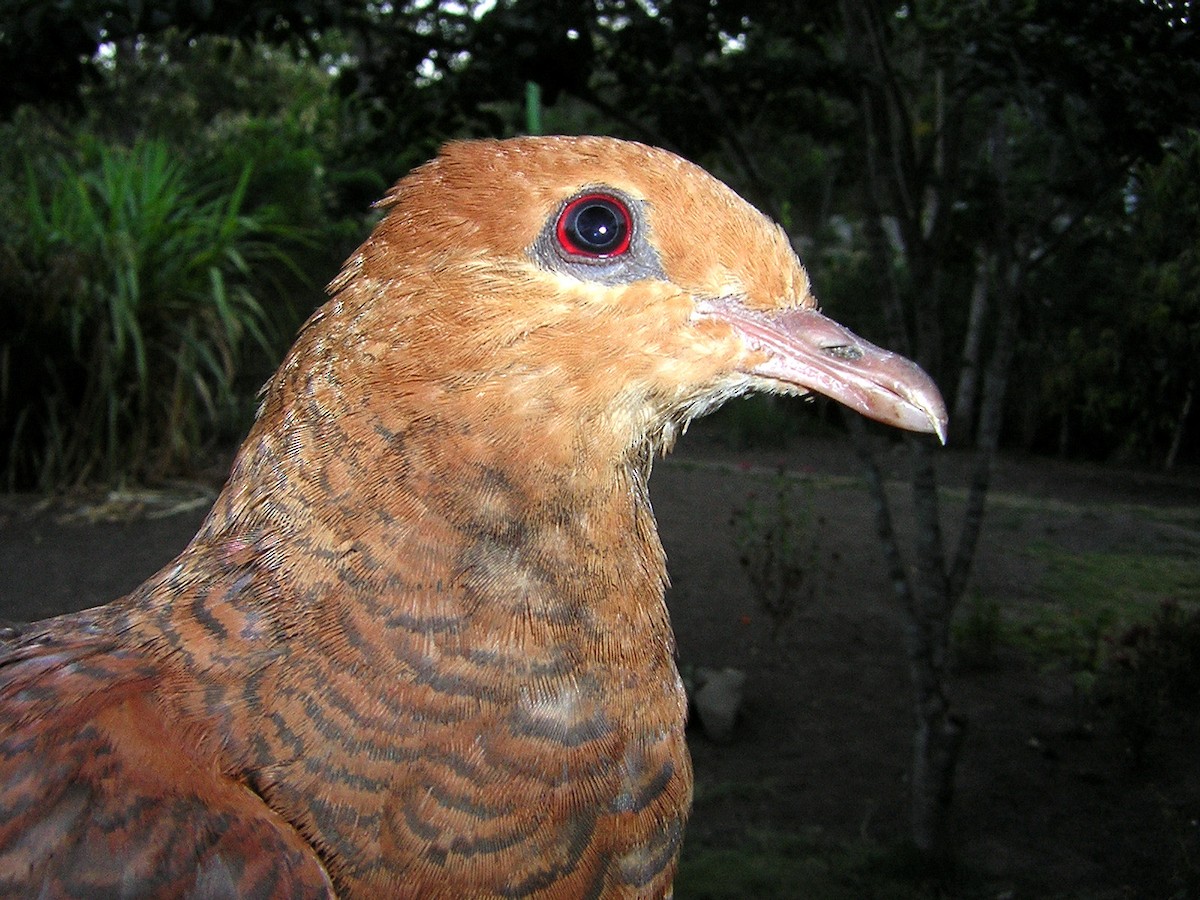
[(815, 353)]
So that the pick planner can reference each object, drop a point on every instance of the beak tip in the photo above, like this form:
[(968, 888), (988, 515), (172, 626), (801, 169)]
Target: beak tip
[(921, 418), (937, 422), (913, 403)]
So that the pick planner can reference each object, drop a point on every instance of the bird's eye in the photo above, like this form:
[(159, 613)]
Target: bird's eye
[(595, 225)]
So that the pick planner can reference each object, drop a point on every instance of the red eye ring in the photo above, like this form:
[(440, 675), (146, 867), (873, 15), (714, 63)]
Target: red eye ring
[(597, 226)]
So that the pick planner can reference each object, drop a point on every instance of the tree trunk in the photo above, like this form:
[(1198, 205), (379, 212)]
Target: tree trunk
[(962, 420), (936, 747), (1180, 425), (915, 184), (928, 607), (930, 591)]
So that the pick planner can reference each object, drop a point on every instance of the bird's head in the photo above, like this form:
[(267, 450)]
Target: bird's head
[(572, 284)]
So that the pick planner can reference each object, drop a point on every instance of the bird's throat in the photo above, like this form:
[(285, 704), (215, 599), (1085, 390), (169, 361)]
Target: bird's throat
[(466, 535)]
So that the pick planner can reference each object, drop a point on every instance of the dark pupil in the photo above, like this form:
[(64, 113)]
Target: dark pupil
[(598, 227)]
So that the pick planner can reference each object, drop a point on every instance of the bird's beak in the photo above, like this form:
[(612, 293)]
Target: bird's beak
[(815, 353)]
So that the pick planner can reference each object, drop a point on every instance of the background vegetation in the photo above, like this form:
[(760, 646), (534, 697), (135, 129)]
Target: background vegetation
[(1039, 158), (1009, 192)]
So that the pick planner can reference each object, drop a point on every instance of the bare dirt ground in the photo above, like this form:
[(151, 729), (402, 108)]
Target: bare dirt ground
[(1047, 803)]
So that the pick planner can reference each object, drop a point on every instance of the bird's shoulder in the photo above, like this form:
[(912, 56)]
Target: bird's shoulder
[(103, 793)]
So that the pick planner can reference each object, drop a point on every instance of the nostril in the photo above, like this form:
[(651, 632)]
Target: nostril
[(843, 351)]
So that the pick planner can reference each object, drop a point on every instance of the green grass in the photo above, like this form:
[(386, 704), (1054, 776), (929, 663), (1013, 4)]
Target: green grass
[(1089, 598), (1128, 582)]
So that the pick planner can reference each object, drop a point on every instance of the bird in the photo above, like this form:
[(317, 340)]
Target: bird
[(419, 646)]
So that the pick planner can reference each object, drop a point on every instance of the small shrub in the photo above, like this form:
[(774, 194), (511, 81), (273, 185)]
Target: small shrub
[(777, 546), (977, 636), (1154, 675), (131, 301)]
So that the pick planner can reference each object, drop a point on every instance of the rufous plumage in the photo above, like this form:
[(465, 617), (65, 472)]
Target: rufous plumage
[(419, 647)]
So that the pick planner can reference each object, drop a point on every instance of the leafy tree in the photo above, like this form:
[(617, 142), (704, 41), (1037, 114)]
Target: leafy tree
[(1121, 383), (988, 134), (49, 50)]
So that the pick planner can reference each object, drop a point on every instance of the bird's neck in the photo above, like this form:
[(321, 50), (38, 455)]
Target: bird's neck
[(423, 518), (378, 579)]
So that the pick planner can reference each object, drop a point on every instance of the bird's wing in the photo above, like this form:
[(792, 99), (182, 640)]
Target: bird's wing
[(101, 796)]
